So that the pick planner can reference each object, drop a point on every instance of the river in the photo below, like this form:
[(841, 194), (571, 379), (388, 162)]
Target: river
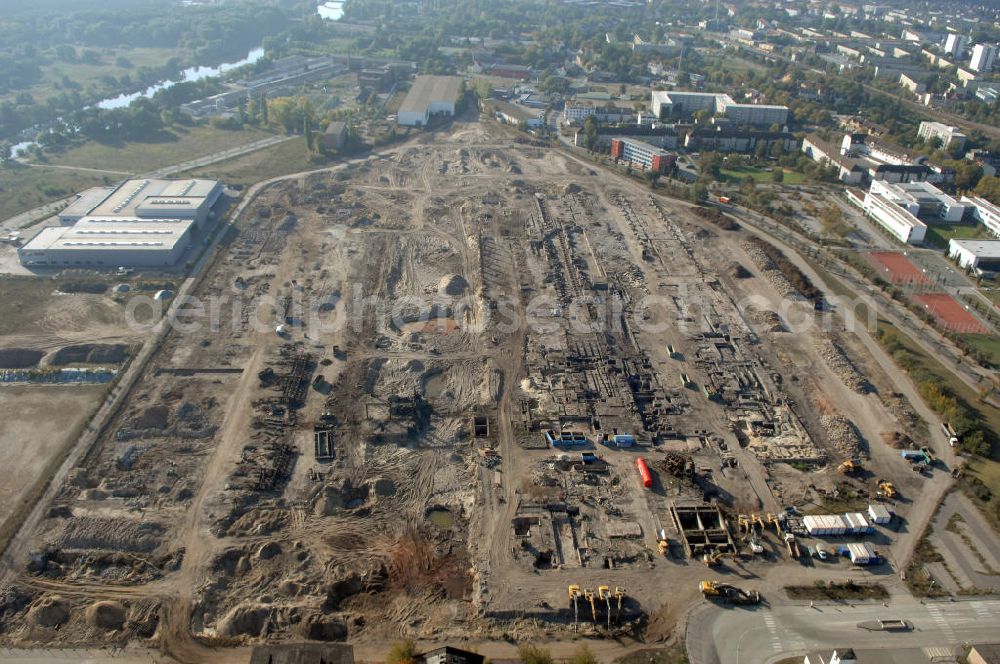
[(189, 75)]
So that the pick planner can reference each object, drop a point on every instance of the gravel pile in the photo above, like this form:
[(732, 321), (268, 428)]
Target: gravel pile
[(770, 271), (843, 435), (840, 364)]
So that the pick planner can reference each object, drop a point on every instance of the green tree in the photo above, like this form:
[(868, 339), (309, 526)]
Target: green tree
[(652, 176), (778, 175), (402, 652), (531, 654), (590, 133)]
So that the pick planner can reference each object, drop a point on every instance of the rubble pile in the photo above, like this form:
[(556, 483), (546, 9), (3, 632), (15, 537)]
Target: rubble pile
[(770, 270), (840, 364), (844, 436), (677, 464)]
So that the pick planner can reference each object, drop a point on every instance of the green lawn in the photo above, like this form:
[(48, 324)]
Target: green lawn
[(25, 187), (938, 235), (175, 146), (741, 173), (288, 157), (985, 343)]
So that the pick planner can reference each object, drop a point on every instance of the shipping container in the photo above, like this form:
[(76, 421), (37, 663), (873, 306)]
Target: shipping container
[(644, 474), (879, 514)]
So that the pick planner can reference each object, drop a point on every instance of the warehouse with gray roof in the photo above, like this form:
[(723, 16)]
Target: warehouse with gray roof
[(429, 96), (140, 223)]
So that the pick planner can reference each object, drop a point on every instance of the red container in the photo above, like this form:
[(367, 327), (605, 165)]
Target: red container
[(647, 478)]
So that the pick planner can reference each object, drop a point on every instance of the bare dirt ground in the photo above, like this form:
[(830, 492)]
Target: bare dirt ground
[(348, 440), (32, 434)]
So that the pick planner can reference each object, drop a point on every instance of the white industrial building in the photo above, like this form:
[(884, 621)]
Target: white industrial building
[(895, 219), (429, 96), (921, 199), (985, 213), (141, 223), (948, 135), (667, 103), (978, 255)]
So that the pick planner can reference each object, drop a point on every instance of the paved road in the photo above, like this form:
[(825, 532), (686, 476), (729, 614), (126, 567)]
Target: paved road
[(33, 216), (968, 568), (766, 634)]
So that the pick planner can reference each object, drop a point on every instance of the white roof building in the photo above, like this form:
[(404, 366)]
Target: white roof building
[(140, 223), (979, 255), (985, 213), (429, 95), (664, 103)]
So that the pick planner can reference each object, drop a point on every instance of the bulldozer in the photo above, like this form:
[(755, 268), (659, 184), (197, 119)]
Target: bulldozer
[(726, 592)]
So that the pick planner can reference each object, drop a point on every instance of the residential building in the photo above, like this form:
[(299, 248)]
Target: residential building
[(642, 154), (577, 113), (954, 44), (978, 255), (849, 169), (140, 223), (985, 213), (660, 136), (912, 82), (983, 56), (735, 140), (666, 104), (950, 137), (988, 94), (429, 96), (335, 136)]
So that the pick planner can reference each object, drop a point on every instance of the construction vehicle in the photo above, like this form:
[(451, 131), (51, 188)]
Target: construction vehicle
[(604, 594), (755, 546), (886, 489), (793, 545), (776, 521), (574, 596), (712, 558), (743, 521), (726, 592), (588, 595), (757, 523), (662, 543), (849, 467), (619, 595)]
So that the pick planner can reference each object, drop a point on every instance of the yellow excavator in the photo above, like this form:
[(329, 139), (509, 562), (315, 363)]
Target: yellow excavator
[(604, 594), (574, 596), (619, 595), (727, 592), (743, 522), (588, 595), (756, 521), (777, 523), (849, 467), (886, 489)]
